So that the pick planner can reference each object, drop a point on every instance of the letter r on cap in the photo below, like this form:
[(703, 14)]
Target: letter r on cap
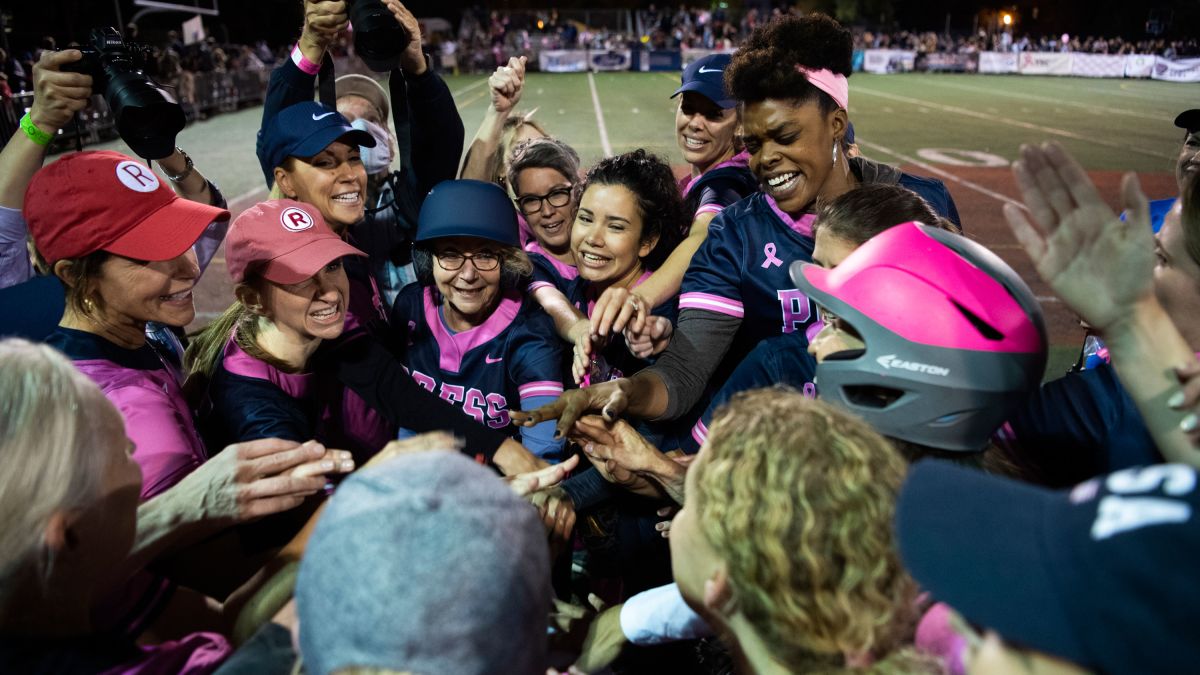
[(295, 220)]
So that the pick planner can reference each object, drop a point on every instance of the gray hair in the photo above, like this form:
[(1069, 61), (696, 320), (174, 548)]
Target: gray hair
[(542, 153), (49, 424)]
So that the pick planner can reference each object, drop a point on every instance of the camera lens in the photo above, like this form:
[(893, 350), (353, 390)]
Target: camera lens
[(378, 38), (147, 118)]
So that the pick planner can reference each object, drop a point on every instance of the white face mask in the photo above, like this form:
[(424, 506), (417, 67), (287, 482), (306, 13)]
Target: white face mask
[(379, 158)]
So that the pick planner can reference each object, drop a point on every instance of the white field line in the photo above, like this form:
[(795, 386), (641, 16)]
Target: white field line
[(1011, 122), (875, 147), (469, 87), (1045, 99), (604, 144), (469, 101)]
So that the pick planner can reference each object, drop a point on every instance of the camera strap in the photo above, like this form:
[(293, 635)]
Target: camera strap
[(326, 89)]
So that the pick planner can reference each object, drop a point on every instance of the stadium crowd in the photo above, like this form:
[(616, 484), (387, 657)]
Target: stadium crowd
[(780, 413)]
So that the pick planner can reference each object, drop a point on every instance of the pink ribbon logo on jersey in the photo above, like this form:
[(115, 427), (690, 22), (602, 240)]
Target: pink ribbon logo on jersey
[(769, 251)]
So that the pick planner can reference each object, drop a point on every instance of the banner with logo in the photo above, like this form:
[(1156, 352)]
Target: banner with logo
[(1044, 63), (1179, 70), (1097, 65), (882, 61), (692, 55), (610, 59), (563, 60), (997, 62), (660, 59), (945, 62), (1139, 65)]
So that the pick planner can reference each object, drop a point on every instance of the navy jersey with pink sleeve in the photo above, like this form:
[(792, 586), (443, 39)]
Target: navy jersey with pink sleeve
[(511, 361), (548, 270), (741, 271), (722, 185)]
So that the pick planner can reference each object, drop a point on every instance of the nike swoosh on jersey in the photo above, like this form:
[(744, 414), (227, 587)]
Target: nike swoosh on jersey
[(710, 70), (318, 118), (489, 359)]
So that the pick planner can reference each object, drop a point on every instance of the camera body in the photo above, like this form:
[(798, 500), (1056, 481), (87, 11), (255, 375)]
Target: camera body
[(147, 117), (379, 39)]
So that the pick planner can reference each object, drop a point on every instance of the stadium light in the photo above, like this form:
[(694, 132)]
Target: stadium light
[(1006, 18)]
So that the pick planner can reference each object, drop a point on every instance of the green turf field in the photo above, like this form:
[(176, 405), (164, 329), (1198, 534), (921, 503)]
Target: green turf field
[(963, 129)]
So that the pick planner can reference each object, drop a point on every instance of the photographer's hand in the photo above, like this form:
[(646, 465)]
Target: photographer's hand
[(57, 97), (323, 21), (412, 61)]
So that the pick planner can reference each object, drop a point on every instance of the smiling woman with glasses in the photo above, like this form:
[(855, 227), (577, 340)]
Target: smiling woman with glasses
[(471, 333)]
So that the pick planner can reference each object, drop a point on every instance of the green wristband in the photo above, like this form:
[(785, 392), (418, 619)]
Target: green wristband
[(35, 134)]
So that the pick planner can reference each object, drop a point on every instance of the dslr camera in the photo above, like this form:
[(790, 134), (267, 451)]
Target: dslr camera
[(379, 39), (147, 117)]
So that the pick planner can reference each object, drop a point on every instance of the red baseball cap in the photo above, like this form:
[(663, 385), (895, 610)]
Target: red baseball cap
[(105, 201), (284, 240)]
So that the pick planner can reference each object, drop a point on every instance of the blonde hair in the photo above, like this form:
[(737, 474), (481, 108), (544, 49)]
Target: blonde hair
[(797, 498), (49, 423)]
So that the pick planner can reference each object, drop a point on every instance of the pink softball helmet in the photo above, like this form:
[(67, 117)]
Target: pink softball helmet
[(954, 339)]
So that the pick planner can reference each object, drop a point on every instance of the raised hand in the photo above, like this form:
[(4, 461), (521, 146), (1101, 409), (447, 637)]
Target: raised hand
[(1101, 266), (506, 85), (525, 484), (58, 95), (412, 61), (623, 455), (324, 20)]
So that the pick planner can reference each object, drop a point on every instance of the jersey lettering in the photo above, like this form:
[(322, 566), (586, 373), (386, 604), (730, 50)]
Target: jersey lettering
[(797, 310), (1174, 479), (490, 409), (1118, 514)]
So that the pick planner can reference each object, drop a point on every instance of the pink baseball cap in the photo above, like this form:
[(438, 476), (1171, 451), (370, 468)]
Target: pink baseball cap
[(105, 201), (285, 241)]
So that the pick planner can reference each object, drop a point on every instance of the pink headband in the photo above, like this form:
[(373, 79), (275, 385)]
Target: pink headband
[(829, 82)]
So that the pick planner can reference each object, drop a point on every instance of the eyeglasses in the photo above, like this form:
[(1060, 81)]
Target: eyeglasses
[(452, 261), (531, 204)]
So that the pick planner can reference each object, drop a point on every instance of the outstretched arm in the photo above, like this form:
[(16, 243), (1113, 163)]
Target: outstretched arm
[(506, 85), (1103, 268)]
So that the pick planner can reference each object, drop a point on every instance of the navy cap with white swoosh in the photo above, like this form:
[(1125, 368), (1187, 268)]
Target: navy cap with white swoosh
[(706, 77)]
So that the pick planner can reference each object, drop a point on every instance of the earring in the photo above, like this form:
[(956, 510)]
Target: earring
[(89, 305), (835, 144)]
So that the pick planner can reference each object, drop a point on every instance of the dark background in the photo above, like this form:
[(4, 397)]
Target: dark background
[(278, 21)]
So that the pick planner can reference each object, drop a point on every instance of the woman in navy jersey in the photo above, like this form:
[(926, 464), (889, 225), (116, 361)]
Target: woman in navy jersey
[(706, 130), (251, 365), (467, 330), (790, 77), (629, 220)]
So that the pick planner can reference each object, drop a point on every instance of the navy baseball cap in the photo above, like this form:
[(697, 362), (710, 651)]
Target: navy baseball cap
[(706, 77), (303, 130), (1189, 120), (468, 208), (1100, 575)]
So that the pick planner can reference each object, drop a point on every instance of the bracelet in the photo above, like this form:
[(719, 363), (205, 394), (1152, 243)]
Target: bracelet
[(35, 134), (302, 61), (187, 169)]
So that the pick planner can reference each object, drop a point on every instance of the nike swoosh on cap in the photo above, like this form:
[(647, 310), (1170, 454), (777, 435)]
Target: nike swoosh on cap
[(317, 118), (711, 70)]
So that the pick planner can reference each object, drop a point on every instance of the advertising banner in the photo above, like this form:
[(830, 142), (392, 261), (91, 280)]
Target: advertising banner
[(1097, 65), (1181, 70), (883, 61), (563, 60), (1139, 65), (610, 59), (997, 62), (944, 62), (1044, 63)]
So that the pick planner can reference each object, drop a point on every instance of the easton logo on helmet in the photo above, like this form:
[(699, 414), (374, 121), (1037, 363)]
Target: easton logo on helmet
[(890, 361)]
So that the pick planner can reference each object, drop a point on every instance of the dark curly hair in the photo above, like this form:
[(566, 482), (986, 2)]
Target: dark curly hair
[(765, 66), (650, 179), (872, 208)]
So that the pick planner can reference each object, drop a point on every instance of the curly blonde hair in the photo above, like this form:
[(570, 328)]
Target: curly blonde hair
[(797, 498)]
